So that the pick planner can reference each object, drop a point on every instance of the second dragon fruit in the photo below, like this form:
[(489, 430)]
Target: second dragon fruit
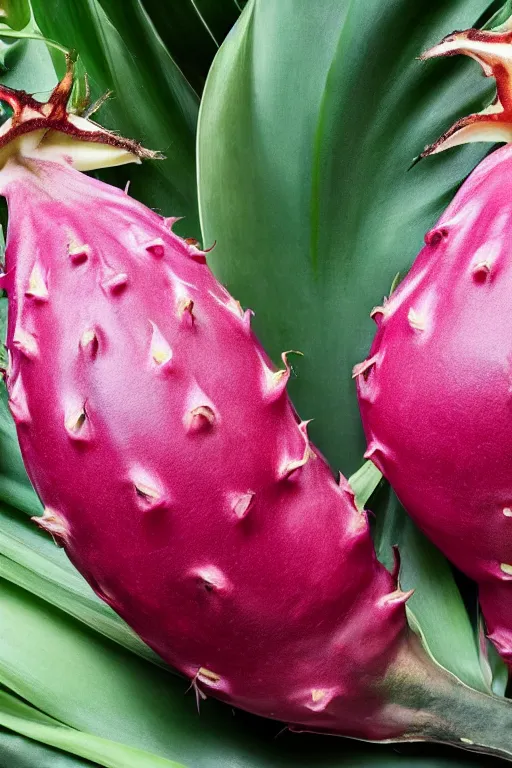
[(435, 393)]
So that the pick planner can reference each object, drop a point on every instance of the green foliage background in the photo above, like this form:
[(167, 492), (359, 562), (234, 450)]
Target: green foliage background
[(310, 117)]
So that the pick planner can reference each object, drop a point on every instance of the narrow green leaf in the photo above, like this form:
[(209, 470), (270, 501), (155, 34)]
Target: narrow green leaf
[(15, 487), (364, 482), (436, 605), (56, 582), (218, 16), (28, 34), (19, 752), (192, 33), (426, 570), (501, 16), (23, 719)]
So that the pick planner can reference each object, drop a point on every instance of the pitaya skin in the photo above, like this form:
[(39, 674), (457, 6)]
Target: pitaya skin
[(435, 393), (178, 477), (172, 466)]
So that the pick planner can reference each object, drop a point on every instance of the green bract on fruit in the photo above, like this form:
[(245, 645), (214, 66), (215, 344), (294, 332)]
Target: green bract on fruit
[(175, 471), (436, 391)]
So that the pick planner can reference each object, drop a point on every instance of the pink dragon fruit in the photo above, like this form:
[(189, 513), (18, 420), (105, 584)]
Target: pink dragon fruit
[(175, 471), (435, 393)]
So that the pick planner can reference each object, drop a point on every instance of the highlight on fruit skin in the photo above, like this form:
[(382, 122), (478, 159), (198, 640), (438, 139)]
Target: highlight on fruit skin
[(177, 475), (436, 399)]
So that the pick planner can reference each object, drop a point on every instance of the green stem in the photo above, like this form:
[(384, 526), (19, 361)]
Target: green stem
[(436, 706), (5, 32)]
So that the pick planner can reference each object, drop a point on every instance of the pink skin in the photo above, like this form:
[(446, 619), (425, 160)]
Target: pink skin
[(178, 483), (436, 403)]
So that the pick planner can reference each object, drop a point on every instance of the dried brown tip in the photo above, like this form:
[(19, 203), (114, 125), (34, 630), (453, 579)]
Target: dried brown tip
[(492, 49), (31, 115)]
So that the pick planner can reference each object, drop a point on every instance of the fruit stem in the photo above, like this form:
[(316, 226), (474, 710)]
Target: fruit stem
[(434, 705)]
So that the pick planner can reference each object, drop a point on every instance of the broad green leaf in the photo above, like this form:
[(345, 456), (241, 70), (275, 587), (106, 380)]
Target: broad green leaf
[(15, 13), (303, 155), (10, 50), (23, 58)]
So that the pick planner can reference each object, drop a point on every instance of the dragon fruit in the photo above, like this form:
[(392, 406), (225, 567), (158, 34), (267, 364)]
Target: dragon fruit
[(435, 393), (175, 472)]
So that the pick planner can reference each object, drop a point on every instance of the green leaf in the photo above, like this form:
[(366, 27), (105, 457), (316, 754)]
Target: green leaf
[(501, 16), (25, 63), (364, 483), (27, 721), (16, 55), (217, 16), (86, 682), (15, 487), (436, 603), (426, 571), (193, 31), (19, 752), (27, 34)]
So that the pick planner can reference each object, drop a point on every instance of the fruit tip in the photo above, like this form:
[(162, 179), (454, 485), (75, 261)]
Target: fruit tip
[(415, 161), (430, 53), (452, 44)]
